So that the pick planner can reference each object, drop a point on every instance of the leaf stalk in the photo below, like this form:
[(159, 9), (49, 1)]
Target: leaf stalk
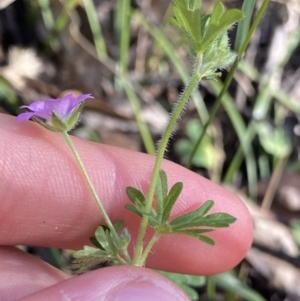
[(95, 195)]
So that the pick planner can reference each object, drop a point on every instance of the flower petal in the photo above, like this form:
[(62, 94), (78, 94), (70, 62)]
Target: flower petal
[(24, 116), (35, 106), (81, 98), (64, 107)]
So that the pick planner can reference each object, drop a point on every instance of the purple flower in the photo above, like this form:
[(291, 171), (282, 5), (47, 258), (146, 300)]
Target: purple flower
[(63, 107), (62, 113)]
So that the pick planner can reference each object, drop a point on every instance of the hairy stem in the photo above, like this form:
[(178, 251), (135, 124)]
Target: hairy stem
[(149, 247), (196, 77), (94, 193)]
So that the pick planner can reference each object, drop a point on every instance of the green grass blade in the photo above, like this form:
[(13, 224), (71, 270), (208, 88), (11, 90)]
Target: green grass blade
[(47, 14), (143, 128), (244, 24), (228, 281), (239, 156), (122, 27), (96, 29), (58, 258), (264, 98), (241, 129), (281, 96)]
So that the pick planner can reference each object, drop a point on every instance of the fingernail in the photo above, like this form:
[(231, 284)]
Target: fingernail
[(147, 291)]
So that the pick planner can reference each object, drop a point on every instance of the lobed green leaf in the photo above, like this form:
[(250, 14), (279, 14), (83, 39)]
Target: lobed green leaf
[(191, 216), (88, 251), (206, 239), (161, 192), (194, 4), (170, 201), (102, 237), (216, 29), (136, 196), (187, 18), (95, 242), (119, 225), (133, 209), (217, 13), (215, 220), (197, 234)]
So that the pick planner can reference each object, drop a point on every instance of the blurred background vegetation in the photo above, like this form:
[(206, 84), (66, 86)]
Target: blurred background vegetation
[(127, 55)]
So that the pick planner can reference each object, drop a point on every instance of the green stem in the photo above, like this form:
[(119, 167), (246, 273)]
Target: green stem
[(94, 193), (149, 247), (160, 155)]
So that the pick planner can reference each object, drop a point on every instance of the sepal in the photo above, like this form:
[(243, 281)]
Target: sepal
[(60, 125)]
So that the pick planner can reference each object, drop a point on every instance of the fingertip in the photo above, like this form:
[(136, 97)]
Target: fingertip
[(22, 274), (113, 284)]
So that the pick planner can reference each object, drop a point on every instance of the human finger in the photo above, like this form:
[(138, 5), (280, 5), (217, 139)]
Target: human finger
[(22, 274), (45, 200), (120, 283)]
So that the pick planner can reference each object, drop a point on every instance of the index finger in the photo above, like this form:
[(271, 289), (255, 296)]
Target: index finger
[(46, 202)]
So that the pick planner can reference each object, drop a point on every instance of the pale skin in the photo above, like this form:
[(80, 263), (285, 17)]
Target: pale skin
[(44, 202)]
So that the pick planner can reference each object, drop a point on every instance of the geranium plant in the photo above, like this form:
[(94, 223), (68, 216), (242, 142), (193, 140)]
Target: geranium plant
[(207, 36)]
